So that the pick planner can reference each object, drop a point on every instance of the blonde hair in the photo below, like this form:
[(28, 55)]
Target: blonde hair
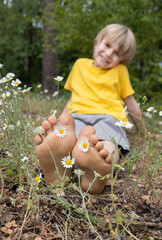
[(123, 36)]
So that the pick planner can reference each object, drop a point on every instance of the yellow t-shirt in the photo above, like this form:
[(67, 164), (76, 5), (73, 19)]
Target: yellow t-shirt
[(98, 91)]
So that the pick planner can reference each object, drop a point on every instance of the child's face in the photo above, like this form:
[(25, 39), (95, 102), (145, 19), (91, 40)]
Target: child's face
[(106, 55)]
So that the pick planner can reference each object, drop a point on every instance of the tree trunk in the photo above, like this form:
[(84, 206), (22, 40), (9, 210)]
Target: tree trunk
[(50, 58)]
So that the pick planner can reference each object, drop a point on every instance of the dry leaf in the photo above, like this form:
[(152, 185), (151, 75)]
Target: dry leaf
[(6, 230)]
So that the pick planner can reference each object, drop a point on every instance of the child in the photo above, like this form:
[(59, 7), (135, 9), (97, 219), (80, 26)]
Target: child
[(91, 130)]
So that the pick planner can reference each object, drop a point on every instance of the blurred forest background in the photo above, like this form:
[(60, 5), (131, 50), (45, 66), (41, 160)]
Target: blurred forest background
[(41, 39)]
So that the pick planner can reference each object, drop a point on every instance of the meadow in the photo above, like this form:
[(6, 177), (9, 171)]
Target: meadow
[(129, 207)]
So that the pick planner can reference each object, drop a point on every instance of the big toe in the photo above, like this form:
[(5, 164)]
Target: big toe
[(86, 132)]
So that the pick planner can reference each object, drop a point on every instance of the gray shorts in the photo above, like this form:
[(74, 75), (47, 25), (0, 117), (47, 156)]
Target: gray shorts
[(105, 129)]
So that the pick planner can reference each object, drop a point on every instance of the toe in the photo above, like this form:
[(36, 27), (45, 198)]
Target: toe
[(66, 119), (93, 140), (47, 126), (52, 120), (38, 139), (104, 153), (99, 146), (86, 132)]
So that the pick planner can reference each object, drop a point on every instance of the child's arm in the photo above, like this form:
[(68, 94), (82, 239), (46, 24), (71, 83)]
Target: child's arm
[(135, 113), (66, 106)]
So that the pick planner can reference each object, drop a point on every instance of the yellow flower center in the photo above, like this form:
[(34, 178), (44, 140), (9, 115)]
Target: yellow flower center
[(84, 145), (37, 179), (61, 131), (16, 83), (124, 124), (68, 162), (59, 191)]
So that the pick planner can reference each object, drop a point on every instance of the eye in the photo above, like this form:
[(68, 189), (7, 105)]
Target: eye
[(107, 45)]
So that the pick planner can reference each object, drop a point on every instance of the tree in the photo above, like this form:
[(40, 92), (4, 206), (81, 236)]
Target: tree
[(50, 57)]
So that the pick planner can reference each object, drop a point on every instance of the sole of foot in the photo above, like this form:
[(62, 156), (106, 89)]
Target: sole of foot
[(95, 159), (55, 144)]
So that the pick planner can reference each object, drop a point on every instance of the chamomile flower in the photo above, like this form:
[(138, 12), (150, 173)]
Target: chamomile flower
[(18, 123), (97, 175), (55, 94), (15, 83), (39, 85), (59, 78), (20, 189), (160, 113), (125, 110), (39, 130), (10, 75), (5, 126), (38, 178), (3, 80), (147, 114), (150, 109), (126, 125), (54, 112), (26, 90), (60, 131), (1, 65), (134, 215), (84, 145), (0, 102), (120, 167), (45, 90), (13, 201), (24, 159), (11, 127), (79, 172), (68, 162), (59, 192), (1, 134)]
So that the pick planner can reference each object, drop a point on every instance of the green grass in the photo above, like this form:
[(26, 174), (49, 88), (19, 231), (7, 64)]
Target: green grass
[(20, 115)]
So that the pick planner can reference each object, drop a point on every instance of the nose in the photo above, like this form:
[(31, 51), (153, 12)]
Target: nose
[(109, 52)]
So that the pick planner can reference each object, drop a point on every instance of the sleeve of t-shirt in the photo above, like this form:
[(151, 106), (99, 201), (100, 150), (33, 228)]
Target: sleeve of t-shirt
[(126, 88), (68, 85)]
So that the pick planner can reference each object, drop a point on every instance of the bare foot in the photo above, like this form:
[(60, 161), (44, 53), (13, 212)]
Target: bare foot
[(59, 146), (95, 159)]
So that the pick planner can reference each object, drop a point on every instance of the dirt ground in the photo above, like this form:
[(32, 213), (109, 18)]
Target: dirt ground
[(46, 220)]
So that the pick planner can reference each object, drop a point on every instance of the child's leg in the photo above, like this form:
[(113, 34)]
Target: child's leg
[(60, 147), (96, 159)]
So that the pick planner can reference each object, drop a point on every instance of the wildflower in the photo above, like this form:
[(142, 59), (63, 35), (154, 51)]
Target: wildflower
[(26, 90), (59, 78), (55, 94), (54, 112), (10, 75), (68, 162), (1, 65), (59, 192), (39, 130), (126, 125), (45, 90), (0, 102), (1, 134), (18, 123), (9, 154), (5, 126), (150, 109), (24, 159), (160, 113), (97, 175), (60, 131), (134, 215), (147, 114), (125, 110), (79, 172), (3, 80), (120, 167), (84, 145), (13, 201), (39, 85), (8, 94), (15, 83), (11, 126), (160, 123), (20, 189), (38, 178)]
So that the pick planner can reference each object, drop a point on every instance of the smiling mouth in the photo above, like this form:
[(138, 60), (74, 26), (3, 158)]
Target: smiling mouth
[(104, 59)]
